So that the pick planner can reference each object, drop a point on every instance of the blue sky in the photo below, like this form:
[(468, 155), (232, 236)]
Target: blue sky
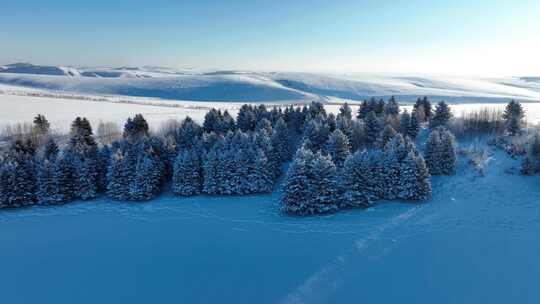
[(438, 37)]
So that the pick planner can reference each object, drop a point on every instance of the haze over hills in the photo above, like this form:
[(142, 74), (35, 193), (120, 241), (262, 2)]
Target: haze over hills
[(246, 86)]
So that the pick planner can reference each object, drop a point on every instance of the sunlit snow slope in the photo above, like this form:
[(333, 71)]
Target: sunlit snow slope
[(239, 86)]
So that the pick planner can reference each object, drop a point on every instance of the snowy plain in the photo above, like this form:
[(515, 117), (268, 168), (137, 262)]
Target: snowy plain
[(476, 241)]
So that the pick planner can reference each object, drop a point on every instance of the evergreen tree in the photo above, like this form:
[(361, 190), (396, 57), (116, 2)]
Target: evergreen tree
[(280, 141), (118, 176), (404, 123), (514, 118), (423, 109), (392, 107), (50, 150), (414, 126), (442, 115), (345, 111), (415, 181), (46, 191), (373, 129), (387, 135), (187, 177), (357, 177), (65, 178), (264, 125), (296, 194), (260, 177), (338, 147), (211, 169), (188, 134), (440, 154), (323, 185), (135, 128)]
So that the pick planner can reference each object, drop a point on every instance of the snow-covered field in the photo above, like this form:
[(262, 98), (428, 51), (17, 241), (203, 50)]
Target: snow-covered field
[(475, 242), (61, 111)]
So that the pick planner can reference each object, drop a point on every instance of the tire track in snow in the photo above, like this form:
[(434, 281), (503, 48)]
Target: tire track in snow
[(318, 287)]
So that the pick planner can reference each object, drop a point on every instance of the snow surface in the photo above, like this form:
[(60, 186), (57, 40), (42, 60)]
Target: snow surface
[(246, 86), (475, 242)]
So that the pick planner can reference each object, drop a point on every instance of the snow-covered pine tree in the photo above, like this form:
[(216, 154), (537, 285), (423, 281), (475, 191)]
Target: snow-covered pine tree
[(338, 147), (345, 112), (47, 187), (7, 184), (387, 135), (65, 177), (392, 107), (355, 180), (531, 160), (442, 115), (280, 140), (414, 126), (440, 153), (264, 125), (296, 195), (373, 129), (414, 179), (433, 151), (448, 158), (211, 169), (147, 180), (188, 134), (20, 172), (50, 150), (187, 176), (423, 109), (246, 118), (119, 176), (104, 157), (260, 176), (404, 122), (514, 118), (322, 185)]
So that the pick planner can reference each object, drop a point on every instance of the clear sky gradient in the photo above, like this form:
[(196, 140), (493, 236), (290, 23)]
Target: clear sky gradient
[(480, 37)]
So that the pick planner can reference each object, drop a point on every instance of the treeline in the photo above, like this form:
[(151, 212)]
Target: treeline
[(340, 161), (328, 173)]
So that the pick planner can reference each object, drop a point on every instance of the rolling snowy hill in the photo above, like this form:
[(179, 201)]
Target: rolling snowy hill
[(238, 86)]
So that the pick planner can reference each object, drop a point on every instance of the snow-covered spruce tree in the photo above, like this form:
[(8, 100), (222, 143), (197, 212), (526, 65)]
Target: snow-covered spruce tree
[(47, 187), (135, 128), (323, 185), (280, 140), (188, 174), (442, 115), (379, 108), (264, 125), (531, 161), (83, 147), (440, 152), (260, 176), (65, 177), (104, 157), (210, 171), (188, 134), (317, 133), (356, 179), (414, 126), (414, 183), (246, 118), (338, 147), (393, 154), (50, 150), (404, 122), (227, 123), (392, 107), (118, 176), (423, 109), (147, 180), (387, 135), (514, 118), (345, 112), (19, 171), (296, 196), (373, 128)]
